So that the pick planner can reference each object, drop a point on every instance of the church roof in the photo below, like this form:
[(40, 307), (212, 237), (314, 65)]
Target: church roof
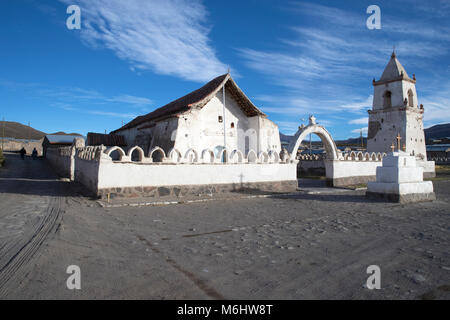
[(394, 70), (198, 99)]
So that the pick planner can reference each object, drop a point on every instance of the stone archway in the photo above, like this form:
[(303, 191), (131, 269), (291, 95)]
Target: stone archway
[(324, 135)]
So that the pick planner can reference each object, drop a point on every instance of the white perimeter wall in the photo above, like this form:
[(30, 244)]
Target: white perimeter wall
[(86, 172), (116, 174), (344, 169)]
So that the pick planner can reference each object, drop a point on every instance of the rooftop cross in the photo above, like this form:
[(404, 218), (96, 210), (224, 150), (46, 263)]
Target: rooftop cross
[(399, 138)]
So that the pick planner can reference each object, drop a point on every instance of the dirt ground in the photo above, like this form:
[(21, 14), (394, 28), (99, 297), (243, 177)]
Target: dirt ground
[(315, 244)]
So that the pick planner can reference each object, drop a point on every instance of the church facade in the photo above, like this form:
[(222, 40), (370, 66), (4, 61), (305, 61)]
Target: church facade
[(396, 118), (215, 117)]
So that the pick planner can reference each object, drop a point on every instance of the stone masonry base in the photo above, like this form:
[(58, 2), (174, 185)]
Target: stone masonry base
[(349, 181), (406, 198), (180, 191)]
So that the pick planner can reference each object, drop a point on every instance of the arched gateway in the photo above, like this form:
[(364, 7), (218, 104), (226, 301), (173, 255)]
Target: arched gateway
[(324, 135)]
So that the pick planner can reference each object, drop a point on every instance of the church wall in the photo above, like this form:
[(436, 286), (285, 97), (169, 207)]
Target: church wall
[(162, 134), (200, 129), (269, 135)]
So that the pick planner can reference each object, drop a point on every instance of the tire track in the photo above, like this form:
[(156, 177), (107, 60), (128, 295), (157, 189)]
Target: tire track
[(199, 283), (13, 267)]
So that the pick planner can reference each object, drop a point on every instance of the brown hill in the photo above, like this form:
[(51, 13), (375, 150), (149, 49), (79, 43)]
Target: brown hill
[(62, 133), (20, 131)]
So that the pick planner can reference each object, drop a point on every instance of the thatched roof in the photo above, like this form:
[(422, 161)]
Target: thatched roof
[(198, 99), (96, 139)]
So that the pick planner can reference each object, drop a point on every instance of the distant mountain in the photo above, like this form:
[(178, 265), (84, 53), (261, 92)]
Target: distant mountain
[(438, 131), (21, 131), (285, 138), (61, 133)]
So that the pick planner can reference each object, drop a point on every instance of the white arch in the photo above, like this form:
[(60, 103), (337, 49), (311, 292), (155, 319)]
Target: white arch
[(360, 156), (251, 156), (112, 149), (211, 156), (187, 154), (157, 149), (174, 152), (236, 154), (263, 157), (221, 157), (323, 134), (140, 151), (274, 156)]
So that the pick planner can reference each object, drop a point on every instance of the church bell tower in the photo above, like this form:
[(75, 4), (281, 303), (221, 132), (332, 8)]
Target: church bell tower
[(396, 113)]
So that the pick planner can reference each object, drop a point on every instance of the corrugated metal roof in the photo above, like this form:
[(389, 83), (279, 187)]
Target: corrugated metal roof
[(439, 147), (62, 139)]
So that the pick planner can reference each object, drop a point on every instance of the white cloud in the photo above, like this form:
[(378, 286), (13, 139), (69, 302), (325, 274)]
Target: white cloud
[(66, 97), (364, 130), (130, 100), (359, 121), (169, 37), (358, 105)]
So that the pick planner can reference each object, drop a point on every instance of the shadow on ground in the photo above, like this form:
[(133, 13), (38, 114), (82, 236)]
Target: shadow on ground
[(34, 177)]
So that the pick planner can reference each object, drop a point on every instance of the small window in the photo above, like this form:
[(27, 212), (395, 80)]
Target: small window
[(387, 100), (232, 125), (220, 119)]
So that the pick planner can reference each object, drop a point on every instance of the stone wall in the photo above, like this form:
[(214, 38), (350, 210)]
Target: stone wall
[(17, 145)]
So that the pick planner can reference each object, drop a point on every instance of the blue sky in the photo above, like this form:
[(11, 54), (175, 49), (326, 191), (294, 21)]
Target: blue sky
[(292, 58)]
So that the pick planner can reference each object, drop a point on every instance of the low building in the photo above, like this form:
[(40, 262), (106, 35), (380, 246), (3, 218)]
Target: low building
[(56, 141), (438, 151)]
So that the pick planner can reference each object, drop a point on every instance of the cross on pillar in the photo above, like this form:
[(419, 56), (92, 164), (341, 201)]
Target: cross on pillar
[(398, 141), (392, 147)]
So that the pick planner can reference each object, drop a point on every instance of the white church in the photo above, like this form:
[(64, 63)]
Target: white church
[(216, 116)]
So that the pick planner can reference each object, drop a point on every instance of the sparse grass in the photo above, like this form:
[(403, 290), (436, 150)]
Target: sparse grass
[(443, 170), (357, 186), (442, 173)]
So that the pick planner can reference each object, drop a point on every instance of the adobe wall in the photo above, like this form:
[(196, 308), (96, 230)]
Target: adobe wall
[(62, 160), (17, 145)]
